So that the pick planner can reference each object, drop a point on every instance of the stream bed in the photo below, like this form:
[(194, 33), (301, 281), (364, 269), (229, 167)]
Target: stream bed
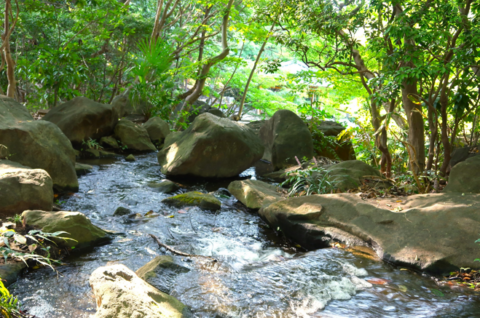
[(259, 274)]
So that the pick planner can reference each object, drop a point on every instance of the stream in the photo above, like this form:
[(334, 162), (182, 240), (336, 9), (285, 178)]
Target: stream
[(259, 274)]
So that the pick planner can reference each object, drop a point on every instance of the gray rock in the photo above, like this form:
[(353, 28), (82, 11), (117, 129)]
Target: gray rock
[(464, 177), (254, 194), (202, 200), (285, 136), (211, 147), (134, 136), (37, 144), (157, 129), (79, 227), (433, 232), (11, 271), (81, 119), (120, 211), (109, 142), (22, 188), (161, 272), (119, 292), (330, 128), (82, 169), (350, 174), (165, 186)]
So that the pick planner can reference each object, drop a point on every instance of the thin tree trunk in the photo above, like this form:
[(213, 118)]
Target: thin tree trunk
[(416, 130)]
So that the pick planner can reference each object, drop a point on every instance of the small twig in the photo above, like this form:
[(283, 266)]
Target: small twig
[(174, 251)]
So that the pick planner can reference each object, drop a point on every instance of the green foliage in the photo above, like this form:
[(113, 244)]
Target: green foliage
[(92, 144), (314, 180), (9, 304)]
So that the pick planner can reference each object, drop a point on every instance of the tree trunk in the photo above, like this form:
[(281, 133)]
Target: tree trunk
[(12, 84), (416, 130)]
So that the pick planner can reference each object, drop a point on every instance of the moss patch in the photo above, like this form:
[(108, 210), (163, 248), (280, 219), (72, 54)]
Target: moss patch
[(194, 198)]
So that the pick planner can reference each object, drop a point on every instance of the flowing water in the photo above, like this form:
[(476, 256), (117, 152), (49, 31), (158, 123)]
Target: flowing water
[(259, 274)]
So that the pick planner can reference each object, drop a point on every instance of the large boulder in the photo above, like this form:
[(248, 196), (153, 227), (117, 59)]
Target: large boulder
[(200, 107), (194, 198), (285, 136), (157, 129), (330, 128), (433, 232), (120, 293), (126, 106), (81, 119), (211, 147), (461, 154), (254, 194), (350, 174), (22, 188), (37, 144), (79, 227), (134, 136), (464, 177)]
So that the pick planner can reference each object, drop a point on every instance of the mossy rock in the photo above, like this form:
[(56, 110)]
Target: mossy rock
[(202, 200)]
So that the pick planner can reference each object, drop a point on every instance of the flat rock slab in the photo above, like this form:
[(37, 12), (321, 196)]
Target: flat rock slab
[(434, 232), (120, 293), (161, 272), (22, 188), (202, 200), (254, 194), (79, 227)]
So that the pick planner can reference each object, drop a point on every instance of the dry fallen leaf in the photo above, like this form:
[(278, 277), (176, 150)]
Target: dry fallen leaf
[(377, 281)]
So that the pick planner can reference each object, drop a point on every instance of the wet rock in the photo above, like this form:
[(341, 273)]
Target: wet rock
[(285, 136), (11, 271), (157, 129), (464, 177), (120, 293), (222, 192), (211, 147), (37, 144), (81, 119), (254, 194), (82, 169), (134, 136), (433, 232), (97, 153), (161, 272), (79, 227), (109, 142), (202, 200), (22, 188), (165, 186), (130, 157), (349, 175), (122, 211)]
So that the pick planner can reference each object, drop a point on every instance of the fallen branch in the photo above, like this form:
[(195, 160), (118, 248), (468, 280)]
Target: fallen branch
[(174, 251)]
